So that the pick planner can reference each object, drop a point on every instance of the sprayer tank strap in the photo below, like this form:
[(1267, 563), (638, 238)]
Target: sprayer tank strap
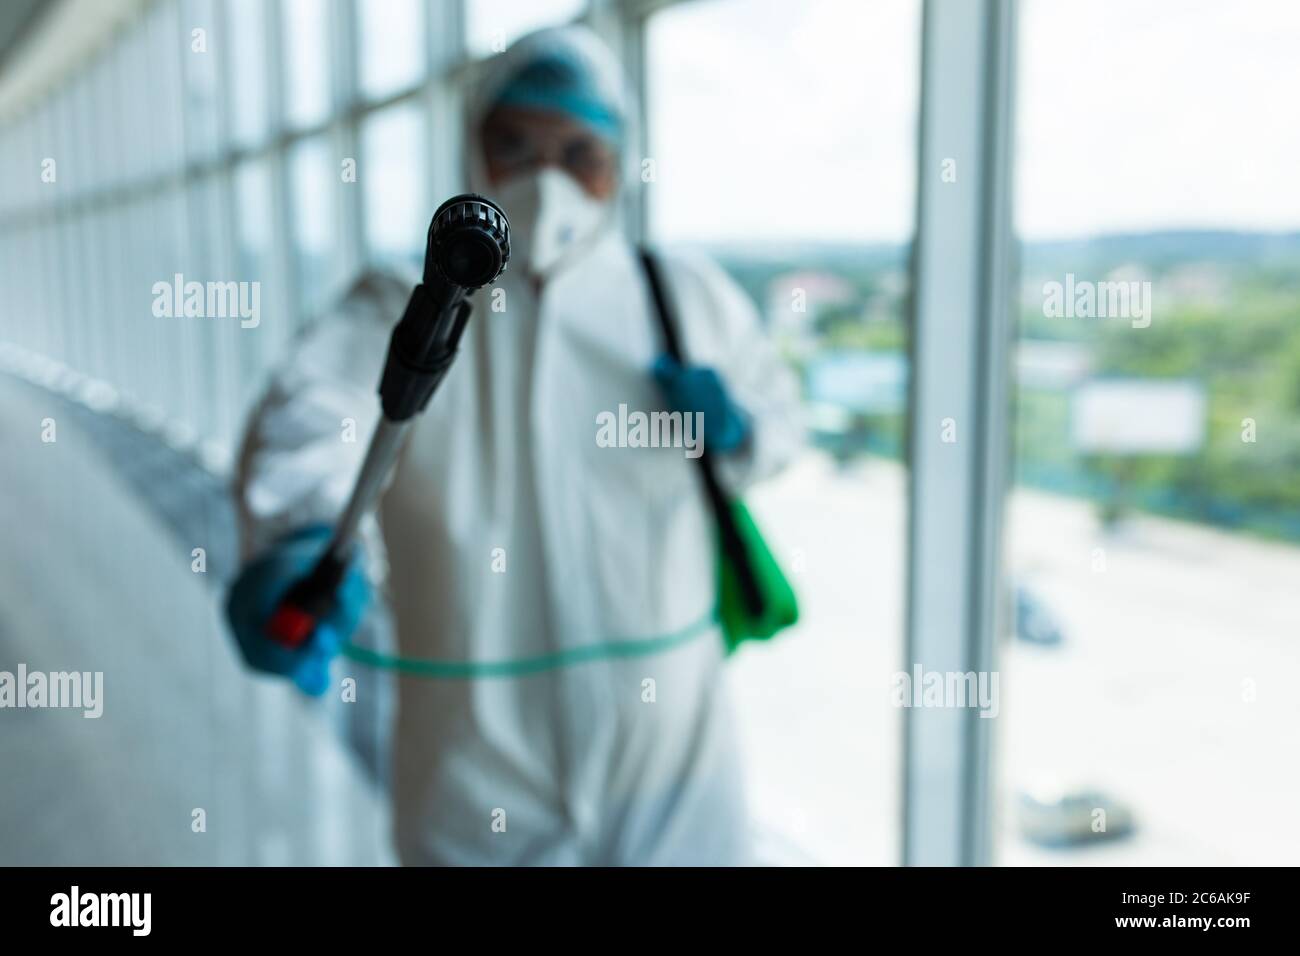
[(733, 544)]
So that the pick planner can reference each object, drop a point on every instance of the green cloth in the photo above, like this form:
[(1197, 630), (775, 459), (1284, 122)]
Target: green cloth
[(780, 607)]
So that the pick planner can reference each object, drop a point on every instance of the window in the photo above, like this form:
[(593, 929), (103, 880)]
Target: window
[(1154, 530), (306, 61), (391, 46), (132, 99), (254, 262), (393, 178), (90, 115), (247, 53), (315, 182), (822, 251), (210, 201), (68, 174), (164, 98), (201, 62)]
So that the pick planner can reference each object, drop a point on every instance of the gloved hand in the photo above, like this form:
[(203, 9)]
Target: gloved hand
[(258, 590), (698, 388)]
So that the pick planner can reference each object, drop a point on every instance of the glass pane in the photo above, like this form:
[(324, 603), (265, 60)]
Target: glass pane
[(211, 200), (68, 172), (139, 227), (315, 182), (93, 279), (131, 105), (107, 129), (253, 221), (50, 290), (164, 79), (1154, 529), (306, 61), (201, 60), (390, 46), (34, 141), (492, 25), (167, 257), (246, 30), (394, 176), (89, 94), (11, 167), (19, 266), (253, 263), (782, 145)]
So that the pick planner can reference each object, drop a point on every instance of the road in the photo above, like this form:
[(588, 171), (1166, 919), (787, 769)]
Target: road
[(1171, 692)]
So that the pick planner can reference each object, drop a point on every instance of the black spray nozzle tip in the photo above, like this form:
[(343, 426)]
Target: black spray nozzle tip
[(469, 242)]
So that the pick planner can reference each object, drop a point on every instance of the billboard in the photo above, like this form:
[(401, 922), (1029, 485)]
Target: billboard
[(1139, 416)]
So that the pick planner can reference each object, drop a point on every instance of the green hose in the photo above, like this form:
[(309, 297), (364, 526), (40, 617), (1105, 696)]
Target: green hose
[(524, 666)]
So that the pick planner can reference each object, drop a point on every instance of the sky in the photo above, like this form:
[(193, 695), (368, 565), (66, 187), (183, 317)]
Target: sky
[(775, 119)]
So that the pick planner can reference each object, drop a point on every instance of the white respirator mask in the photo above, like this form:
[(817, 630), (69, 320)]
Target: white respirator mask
[(551, 219)]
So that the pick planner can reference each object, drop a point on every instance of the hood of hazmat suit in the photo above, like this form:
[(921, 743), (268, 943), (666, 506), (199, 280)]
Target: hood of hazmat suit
[(561, 590)]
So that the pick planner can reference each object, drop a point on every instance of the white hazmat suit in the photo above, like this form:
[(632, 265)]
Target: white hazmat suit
[(526, 557)]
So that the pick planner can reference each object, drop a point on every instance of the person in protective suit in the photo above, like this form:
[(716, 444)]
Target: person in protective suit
[(561, 592)]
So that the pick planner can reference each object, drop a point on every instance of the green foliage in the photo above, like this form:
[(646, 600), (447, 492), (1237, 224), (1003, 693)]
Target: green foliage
[(1245, 350), (1241, 340)]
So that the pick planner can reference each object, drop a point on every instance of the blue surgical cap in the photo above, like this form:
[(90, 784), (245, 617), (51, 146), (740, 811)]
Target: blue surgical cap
[(565, 85)]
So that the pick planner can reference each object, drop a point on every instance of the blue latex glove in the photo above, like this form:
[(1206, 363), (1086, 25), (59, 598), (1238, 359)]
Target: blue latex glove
[(257, 591), (698, 388)]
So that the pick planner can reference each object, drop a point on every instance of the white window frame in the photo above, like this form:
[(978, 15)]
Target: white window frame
[(960, 348)]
